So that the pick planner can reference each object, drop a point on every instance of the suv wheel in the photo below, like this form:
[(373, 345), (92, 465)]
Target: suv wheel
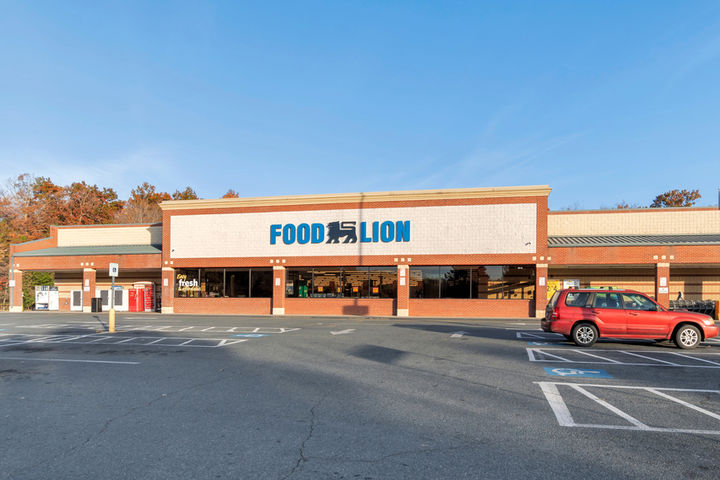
[(687, 336), (584, 334)]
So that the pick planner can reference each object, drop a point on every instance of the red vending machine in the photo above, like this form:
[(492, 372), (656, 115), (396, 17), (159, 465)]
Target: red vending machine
[(149, 297), (136, 299), (144, 297)]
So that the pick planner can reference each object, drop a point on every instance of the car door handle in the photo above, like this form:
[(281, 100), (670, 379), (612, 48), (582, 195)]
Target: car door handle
[(634, 314)]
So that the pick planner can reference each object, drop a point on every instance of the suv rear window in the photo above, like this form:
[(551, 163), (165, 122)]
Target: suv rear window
[(576, 299), (554, 299)]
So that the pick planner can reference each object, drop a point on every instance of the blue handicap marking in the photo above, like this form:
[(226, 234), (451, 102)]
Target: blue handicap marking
[(535, 344), (250, 335), (577, 372)]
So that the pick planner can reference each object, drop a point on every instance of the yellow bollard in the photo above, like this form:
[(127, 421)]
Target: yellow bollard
[(111, 321)]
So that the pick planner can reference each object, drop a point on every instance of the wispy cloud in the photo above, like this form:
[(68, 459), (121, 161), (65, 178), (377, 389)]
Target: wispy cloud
[(121, 172), (496, 165)]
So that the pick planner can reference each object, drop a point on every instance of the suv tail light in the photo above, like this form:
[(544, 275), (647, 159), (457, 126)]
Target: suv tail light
[(555, 315)]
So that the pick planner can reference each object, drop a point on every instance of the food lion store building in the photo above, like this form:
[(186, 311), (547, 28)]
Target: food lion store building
[(486, 252)]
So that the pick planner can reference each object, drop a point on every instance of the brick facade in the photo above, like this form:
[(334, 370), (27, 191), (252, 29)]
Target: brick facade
[(693, 269)]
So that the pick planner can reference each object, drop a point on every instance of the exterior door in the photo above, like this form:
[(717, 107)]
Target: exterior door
[(607, 308), (76, 301)]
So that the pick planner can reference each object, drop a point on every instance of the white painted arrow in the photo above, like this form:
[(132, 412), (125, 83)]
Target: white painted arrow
[(457, 334), (343, 332)]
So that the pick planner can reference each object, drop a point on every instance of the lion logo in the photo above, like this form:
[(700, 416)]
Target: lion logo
[(344, 229)]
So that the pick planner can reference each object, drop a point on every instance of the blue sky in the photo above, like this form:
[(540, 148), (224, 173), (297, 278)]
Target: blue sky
[(603, 101)]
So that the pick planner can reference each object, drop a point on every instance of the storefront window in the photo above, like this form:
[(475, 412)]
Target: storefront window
[(425, 282), (481, 282), (212, 283), (237, 282), (327, 283), (383, 282), (187, 282), (519, 282), (454, 282), (261, 282), (355, 282), (223, 282), (298, 282), (487, 282)]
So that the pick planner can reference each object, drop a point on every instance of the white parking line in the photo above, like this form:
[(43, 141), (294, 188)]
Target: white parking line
[(655, 359), (695, 358), (610, 360), (28, 359), (610, 407), (8, 340), (566, 355), (565, 419)]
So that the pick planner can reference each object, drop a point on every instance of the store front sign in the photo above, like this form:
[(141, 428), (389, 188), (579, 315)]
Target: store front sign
[(340, 232)]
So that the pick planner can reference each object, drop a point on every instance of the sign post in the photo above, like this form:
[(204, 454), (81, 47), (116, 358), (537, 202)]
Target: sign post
[(111, 318)]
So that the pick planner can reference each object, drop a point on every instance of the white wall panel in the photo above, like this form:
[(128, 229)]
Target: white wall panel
[(470, 229)]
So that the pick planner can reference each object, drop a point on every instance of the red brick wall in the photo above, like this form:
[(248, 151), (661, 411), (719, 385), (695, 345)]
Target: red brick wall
[(381, 307), (236, 306), (681, 254)]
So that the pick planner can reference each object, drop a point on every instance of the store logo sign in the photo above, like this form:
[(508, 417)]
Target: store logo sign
[(340, 232)]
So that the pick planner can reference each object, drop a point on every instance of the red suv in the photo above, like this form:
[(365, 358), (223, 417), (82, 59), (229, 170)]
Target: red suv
[(584, 315)]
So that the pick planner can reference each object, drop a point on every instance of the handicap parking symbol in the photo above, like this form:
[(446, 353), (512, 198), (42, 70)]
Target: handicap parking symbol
[(577, 372)]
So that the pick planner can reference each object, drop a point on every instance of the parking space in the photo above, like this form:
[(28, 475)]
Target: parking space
[(7, 340), (624, 407), (194, 329), (638, 358)]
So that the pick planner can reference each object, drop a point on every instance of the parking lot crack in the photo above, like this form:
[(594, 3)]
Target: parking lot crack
[(301, 459)]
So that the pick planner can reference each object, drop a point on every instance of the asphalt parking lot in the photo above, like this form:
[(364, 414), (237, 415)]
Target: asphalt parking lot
[(177, 396)]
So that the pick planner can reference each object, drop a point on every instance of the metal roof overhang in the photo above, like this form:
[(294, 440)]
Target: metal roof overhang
[(632, 240)]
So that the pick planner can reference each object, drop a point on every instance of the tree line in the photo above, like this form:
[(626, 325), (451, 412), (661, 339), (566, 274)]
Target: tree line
[(29, 205)]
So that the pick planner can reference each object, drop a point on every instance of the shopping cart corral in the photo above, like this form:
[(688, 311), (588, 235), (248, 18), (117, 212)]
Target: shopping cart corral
[(708, 307)]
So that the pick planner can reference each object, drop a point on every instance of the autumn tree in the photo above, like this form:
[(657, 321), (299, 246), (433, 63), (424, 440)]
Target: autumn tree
[(187, 194), (30, 205), (143, 206), (676, 198), (231, 194)]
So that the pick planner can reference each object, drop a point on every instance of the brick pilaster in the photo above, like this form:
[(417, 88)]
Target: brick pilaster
[(541, 277), (662, 284), (88, 290), (278, 300), (168, 290), (403, 291), (16, 301)]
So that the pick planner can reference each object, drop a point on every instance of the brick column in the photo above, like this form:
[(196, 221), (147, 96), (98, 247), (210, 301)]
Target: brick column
[(88, 290), (278, 300), (662, 284), (168, 290), (403, 291), (16, 300), (541, 277)]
